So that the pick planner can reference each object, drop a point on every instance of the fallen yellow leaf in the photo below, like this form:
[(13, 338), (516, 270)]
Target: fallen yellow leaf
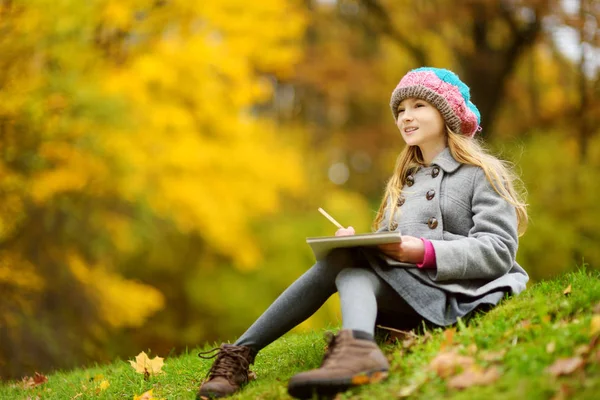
[(144, 365), (104, 385), (567, 291), (145, 396)]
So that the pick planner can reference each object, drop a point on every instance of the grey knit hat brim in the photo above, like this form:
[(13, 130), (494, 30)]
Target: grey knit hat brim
[(423, 93)]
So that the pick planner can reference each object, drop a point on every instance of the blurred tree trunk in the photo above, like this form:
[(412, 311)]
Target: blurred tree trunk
[(487, 66)]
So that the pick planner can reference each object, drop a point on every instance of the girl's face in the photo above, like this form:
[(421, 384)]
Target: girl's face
[(421, 124)]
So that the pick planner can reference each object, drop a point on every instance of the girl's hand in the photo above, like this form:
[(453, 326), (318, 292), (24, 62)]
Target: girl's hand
[(345, 231), (411, 250)]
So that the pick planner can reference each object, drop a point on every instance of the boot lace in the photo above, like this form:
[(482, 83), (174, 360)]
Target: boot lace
[(229, 362), (333, 347)]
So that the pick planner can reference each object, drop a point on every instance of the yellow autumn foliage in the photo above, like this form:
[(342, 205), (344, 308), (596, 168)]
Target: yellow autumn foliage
[(195, 93), (121, 121), (18, 273), (121, 302)]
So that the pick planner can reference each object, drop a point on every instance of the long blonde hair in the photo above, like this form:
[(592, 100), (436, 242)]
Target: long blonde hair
[(466, 151)]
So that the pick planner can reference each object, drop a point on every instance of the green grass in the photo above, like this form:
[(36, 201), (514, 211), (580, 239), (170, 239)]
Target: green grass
[(522, 327)]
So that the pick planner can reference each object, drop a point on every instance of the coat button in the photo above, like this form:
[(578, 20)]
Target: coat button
[(394, 225), (410, 180), (430, 194), (432, 223), (435, 172), (401, 201)]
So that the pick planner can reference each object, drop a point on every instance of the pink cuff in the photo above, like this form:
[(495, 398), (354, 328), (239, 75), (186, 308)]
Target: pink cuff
[(429, 257)]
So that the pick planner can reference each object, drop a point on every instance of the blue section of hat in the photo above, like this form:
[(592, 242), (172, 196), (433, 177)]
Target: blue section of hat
[(453, 79)]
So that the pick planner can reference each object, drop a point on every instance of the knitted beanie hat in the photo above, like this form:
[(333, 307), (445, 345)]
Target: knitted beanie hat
[(443, 89)]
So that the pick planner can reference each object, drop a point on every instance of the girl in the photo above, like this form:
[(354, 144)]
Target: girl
[(460, 217)]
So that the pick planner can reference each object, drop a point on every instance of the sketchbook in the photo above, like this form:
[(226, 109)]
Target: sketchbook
[(321, 246)]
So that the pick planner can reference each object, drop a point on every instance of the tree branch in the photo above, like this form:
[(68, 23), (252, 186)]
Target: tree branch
[(386, 26)]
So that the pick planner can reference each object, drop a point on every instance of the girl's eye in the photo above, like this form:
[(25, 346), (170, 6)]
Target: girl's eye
[(419, 105), (400, 110)]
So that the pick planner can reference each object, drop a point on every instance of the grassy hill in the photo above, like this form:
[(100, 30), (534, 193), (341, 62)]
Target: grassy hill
[(543, 344)]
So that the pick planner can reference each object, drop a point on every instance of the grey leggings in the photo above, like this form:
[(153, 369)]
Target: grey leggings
[(362, 294)]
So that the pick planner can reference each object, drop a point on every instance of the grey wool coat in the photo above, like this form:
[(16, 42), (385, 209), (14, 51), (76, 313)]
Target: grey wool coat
[(473, 231)]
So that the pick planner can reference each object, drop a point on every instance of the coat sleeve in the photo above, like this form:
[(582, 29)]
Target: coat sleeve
[(490, 248)]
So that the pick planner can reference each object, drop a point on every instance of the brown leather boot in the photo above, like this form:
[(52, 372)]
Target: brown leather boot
[(349, 361), (229, 372)]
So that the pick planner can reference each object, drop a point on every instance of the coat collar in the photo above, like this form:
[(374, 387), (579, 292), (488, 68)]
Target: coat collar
[(445, 161)]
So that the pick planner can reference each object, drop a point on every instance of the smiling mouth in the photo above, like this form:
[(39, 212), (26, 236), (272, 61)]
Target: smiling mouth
[(410, 130)]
